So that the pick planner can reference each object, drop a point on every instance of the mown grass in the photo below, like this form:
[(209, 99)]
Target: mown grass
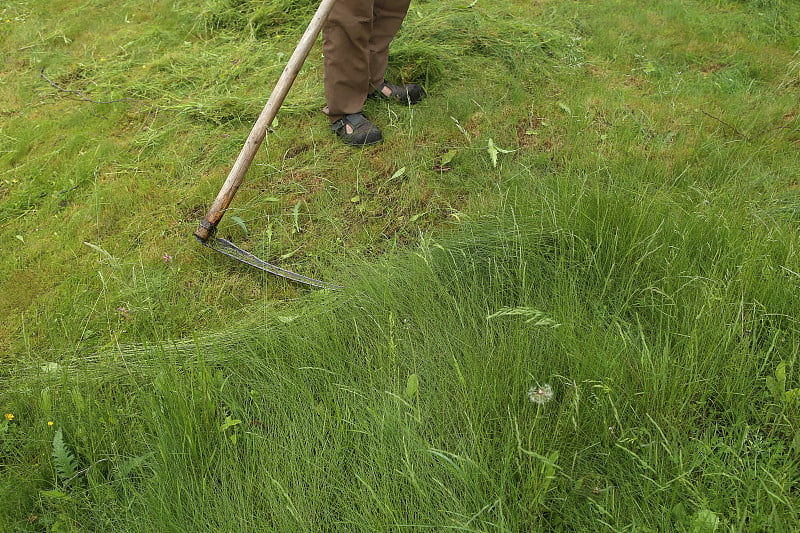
[(642, 211)]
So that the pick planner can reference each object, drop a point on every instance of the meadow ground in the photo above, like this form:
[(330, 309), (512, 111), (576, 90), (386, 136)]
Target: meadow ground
[(572, 273)]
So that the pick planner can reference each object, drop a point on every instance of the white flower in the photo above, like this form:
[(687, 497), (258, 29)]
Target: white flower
[(541, 394)]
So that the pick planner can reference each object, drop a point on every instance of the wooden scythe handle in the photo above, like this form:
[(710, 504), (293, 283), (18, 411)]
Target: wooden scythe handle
[(259, 131)]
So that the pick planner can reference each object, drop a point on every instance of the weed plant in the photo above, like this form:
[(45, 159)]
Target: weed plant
[(571, 273)]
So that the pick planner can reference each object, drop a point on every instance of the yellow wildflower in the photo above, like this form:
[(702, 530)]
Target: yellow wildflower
[(49, 422), (9, 416)]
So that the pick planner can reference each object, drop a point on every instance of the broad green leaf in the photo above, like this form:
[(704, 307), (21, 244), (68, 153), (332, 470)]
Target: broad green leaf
[(287, 255), (705, 521), (296, 217), (229, 423), (240, 223), (792, 397), (780, 374), (448, 157), (796, 442), (492, 152), (412, 386)]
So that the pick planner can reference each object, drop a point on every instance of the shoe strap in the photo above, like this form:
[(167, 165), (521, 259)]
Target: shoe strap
[(397, 90), (355, 119), (337, 125)]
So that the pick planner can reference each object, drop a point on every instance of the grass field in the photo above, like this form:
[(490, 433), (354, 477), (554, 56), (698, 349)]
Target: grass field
[(572, 274)]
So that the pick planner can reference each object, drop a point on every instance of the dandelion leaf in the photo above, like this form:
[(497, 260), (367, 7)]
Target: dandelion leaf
[(792, 397), (705, 521), (125, 467)]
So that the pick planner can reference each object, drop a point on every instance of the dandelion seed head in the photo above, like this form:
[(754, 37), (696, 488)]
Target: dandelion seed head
[(541, 394)]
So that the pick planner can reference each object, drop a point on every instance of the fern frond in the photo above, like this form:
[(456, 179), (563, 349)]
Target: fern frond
[(63, 459)]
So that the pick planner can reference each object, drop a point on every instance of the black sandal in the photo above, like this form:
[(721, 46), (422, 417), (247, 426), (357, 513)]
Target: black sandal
[(406, 94), (364, 133)]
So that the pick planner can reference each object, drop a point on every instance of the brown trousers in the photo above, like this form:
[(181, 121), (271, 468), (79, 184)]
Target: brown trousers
[(355, 42)]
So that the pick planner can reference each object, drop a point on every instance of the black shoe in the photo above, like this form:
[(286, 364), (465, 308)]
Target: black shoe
[(407, 94), (364, 133)]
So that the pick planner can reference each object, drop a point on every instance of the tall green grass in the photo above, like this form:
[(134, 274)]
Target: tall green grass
[(402, 401)]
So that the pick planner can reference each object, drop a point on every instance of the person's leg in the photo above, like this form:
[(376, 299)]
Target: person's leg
[(345, 46), (388, 15)]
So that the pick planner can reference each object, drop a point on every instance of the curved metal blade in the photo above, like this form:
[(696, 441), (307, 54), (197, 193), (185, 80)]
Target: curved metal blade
[(226, 247)]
